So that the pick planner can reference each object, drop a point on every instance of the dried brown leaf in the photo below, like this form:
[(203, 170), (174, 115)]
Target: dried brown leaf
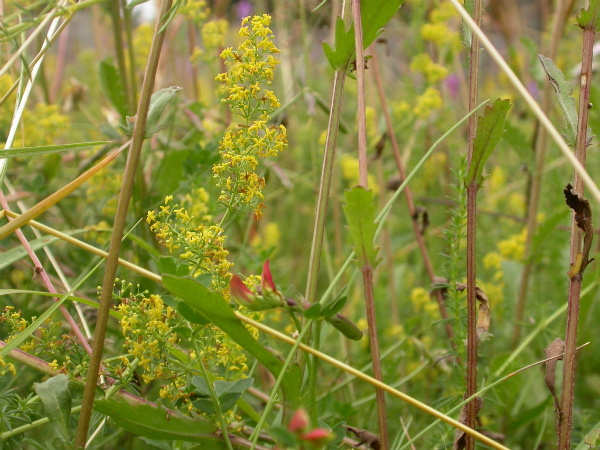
[(380, 146), (485, 314), (583, 218), (365, 436), (556, 347), (422, 212), (459, 436)]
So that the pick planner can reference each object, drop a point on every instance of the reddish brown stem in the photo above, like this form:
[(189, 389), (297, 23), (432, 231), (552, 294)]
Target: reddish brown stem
[(566, 418), (409, 197), (471, 236), (39, 270), (367, 272)]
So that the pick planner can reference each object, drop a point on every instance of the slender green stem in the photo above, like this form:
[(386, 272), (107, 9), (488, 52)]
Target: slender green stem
[(118, 227), (541, 146), (115, 17), (213, 397), (259, 426)]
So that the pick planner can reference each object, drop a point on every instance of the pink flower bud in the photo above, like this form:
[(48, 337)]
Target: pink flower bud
[(268, 289), (317, 437), (266, 279), (240, 292), (299, 421)]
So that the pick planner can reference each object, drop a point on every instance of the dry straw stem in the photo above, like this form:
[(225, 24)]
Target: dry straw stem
[(84, 246), (54, 198), (562, 145)]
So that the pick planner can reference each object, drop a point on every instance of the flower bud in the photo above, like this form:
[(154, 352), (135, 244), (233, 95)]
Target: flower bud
[(317, 437), (269, 291), (299, 421)]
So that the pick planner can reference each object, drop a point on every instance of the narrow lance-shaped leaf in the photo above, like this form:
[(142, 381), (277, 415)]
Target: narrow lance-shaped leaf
[(47, 149), (360, 214), (112, 86), (374, 16), (563, 90), (215, 309), (590, 18), (490, 128), (56, 399)]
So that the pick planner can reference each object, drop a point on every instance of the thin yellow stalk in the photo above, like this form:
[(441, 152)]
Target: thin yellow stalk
[(537, 110), (84, 246), (358, 374), (57, 196)]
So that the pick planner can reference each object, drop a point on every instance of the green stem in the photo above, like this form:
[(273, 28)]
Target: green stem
[(118, 227), (115, 16), (541, 146), (213, 397)]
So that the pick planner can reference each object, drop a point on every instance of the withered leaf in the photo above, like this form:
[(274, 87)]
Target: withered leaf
[(459, 436), (583, 218), (380, 145), (485, 314), (556, 347), (365, 436), (422, 212)]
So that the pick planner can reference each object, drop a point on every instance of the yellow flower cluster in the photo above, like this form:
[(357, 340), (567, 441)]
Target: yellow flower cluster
[(423, 63), (268, 238), (213, 33), (142, 41), (7, 367), (252, 67), (350, 173), (427, 103), (195, 10), (197, 201), (514, 247), (147, 328), (437, 30), (202, 246), (421, 301)]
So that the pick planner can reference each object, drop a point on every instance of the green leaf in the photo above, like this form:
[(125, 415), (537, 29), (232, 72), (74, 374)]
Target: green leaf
[(190, 314), (563, 90), (588, 18), (490, 128), (158, 102), (345, 326), (159, 423), (374, 15), (172, 266), (171, 171), (335, 307), (314, 312), (15, 254), (215, 309), (592, 438), (56, 399), (360, 214), (112, 87), (47, 149)]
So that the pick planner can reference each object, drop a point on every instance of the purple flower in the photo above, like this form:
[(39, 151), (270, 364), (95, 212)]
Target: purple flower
[(244, 9)]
